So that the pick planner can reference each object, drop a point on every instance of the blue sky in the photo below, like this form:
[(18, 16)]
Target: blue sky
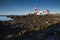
[(22, 7)]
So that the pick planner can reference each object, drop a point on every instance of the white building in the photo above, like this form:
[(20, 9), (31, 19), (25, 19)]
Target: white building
[(36, 12)]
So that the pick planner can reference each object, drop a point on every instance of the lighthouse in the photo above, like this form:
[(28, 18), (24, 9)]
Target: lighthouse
[(35, 10)]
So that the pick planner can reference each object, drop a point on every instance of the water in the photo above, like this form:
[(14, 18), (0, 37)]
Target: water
[(4, 18)]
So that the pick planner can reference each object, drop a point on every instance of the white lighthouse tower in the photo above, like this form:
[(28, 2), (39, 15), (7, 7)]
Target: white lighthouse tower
[(35, 10)]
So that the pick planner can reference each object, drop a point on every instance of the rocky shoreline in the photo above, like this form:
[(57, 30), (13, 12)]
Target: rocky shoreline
[(31, 27)]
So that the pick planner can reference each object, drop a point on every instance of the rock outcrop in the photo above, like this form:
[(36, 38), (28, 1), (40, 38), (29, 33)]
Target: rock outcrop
[(33, 27)]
